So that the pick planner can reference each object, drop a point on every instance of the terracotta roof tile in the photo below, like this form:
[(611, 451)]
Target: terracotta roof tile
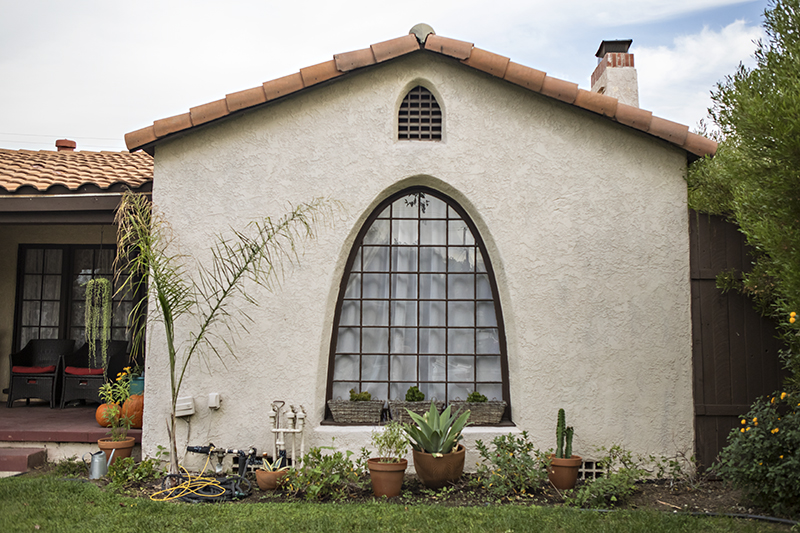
[(282, 86), (448, 47), (477, 58), (559, 89), (246, 98), (208, 112), (527, 77), (493, 64), (599, 103), (394, 48), (355, 59), (43, 170)]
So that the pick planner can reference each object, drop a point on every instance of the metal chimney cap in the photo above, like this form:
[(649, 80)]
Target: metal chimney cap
[(421, 32), (613, 47)]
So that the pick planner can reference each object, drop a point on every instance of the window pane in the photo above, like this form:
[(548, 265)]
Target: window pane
[(433, 391), (105, 262), (459, 234), (353, 289), (460, 286), (404, 314), (460, 259), (404, 259), (432, 259), (375, 340), (79, 314), (30, 313), (488, 341), (48, 333), (52, 288), (461, 340), (434, 208), (431, 340), (431, 368), (432, 286), (376, 313), (404, 286), (52, 261), (460, 368), (397, 391), (346, 367), (405, 232), (376, 286), (404, 340), (376, 259), (433, 232), (50, 314), (341, 391), (488, 367), (432, 313), (483, 289), (404, 368), (33, 288), (347, 340), (492, 391), (485, 314), (33, 261), (458, 391), (84, 261), (379, 391), (122, 311), (406, 207), (460, 314), (357, 262), (351, 313), (375, 368), (378, 233)]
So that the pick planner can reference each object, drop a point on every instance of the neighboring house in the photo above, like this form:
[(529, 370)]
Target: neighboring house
[(56, 233), (499, 230)]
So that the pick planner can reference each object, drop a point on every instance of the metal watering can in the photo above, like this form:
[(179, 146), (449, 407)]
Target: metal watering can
[(99, 466)]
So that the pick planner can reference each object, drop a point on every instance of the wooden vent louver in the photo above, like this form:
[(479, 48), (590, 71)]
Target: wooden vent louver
[(420, 117)]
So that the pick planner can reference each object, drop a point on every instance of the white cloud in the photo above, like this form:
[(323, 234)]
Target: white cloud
[(675, 82)]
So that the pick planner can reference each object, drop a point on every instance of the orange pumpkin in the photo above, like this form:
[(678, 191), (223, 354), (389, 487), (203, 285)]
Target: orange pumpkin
[(134, 407), (100, 415)]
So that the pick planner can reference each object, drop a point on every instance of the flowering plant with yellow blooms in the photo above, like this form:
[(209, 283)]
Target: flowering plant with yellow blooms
[(114, 394)]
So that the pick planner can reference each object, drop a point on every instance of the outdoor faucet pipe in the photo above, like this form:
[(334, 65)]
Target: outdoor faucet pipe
[(295, 421)]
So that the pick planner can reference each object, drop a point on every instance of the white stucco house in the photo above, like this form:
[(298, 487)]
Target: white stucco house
[(498, 230)]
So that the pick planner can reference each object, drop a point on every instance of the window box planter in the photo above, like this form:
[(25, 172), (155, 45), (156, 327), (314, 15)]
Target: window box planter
[(363, 412), (481, 413), (398, 408)]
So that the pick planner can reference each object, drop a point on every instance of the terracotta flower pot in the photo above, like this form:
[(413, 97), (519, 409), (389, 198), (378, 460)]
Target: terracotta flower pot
[(387, 478), (269, 480), (563, 473), (121, 448), (436, 472)]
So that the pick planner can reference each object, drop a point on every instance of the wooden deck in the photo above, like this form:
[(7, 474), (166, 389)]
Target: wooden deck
[(38, 423)]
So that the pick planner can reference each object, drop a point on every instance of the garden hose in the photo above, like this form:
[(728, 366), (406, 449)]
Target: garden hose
[(199, 488)]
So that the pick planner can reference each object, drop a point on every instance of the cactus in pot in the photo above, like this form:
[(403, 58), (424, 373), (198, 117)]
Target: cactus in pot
[(563, 469)]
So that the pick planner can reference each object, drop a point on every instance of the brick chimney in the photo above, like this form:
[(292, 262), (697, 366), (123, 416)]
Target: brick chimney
[(65, 145), (615, 75)]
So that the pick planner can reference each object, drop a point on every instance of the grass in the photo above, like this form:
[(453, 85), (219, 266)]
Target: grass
[(50, 503)]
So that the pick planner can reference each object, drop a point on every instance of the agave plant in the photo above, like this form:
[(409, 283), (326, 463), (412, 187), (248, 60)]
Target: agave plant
[(434, 433)]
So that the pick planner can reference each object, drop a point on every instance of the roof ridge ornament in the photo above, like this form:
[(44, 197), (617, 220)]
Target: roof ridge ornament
[(421, 32)]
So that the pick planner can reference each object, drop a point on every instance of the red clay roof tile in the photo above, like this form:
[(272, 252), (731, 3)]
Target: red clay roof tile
[(319, 73), (208, 112), (355, 59), (527, 77), (599, 103), (477, 58), (245, 99), (45, 169), (394, 48), (493, 64), (282, 86), (560, 89), (448, 47)]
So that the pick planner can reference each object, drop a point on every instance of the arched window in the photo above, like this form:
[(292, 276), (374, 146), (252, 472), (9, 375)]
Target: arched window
[(420, 117), (418, 306)]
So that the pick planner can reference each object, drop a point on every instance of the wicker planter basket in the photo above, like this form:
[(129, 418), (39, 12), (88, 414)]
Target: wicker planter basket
[(365, 412), (481, 413), (398, 409)]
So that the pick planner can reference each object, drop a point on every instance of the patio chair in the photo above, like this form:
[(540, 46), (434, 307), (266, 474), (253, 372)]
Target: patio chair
[(81, 380), (35, 370)]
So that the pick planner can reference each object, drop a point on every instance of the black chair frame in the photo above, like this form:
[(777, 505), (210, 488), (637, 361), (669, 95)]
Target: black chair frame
[(38, 353), (86, 387)]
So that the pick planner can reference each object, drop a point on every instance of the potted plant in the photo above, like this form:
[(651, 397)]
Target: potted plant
[(361, 409), (114, 395), (269, 474), (387, 470), (414, 402), (434, 436), (484, 412), (563, 469), (98, 319)]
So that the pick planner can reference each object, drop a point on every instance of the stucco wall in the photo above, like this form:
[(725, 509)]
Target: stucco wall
[(585, 222), (11, 236)]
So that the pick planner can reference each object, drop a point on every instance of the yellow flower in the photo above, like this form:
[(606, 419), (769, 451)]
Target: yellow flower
[(781, 457), (791, 320), (755, 419), (774, 431), (792, 314), (742, 430), (783, 395), (772, 400), (747, 429), (744, 421)]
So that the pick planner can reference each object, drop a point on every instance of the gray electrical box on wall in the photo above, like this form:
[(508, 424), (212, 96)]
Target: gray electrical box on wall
[(184, 406)]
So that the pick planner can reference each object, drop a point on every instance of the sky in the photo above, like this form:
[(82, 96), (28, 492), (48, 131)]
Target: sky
[(94, 70)]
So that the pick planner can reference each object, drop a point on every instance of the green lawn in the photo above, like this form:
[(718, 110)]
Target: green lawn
[(49, 503)]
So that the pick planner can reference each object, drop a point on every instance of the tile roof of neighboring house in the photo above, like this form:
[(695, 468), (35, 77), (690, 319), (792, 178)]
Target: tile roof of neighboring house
[(496, 65), (32, 172)]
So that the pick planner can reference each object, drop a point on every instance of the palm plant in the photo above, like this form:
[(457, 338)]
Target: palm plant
[(153, 273)]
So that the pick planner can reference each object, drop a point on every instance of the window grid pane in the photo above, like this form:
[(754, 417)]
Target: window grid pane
[(418, 308)]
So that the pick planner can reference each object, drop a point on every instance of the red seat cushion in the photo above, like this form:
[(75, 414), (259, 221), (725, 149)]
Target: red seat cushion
[(33, 369), (78, 371)]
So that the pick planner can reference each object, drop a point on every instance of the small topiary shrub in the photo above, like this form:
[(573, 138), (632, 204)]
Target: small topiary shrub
[(476, 397), (360, 396), (763, 454), (413, 394), (514, 467)]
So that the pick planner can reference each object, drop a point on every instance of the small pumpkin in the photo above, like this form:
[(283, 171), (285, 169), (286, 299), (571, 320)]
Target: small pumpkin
[(134, 407), (100, 415)]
